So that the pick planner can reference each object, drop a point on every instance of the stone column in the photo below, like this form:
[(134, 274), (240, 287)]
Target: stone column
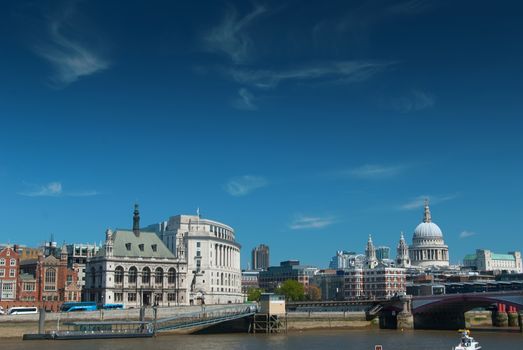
[(405, 319), (499, 317), (512, 316)]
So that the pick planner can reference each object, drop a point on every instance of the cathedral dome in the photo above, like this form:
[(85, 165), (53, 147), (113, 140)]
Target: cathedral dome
[(427, 229)]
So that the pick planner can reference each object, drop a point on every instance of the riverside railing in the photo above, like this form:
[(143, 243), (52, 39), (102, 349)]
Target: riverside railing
[(204, 317)]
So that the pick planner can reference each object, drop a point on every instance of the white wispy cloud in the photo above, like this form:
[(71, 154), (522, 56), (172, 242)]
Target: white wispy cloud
[(70, 58), (245, 100), (230, 36), (340, 71), (302, 222), (419, 201), (55, 189), (415, 100), (374, 171), (466, 234), (243, 185)]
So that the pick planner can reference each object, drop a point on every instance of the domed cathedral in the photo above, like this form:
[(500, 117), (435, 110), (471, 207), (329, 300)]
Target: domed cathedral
[(428, 248)]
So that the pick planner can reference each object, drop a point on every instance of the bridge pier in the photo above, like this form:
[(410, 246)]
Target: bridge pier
[(500, 317), (405, 319), (392, 319), (512, 314)]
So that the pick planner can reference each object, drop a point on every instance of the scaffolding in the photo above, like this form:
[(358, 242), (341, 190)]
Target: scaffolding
[(266, 323)]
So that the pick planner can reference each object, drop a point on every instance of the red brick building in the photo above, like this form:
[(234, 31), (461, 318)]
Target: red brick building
[(43, 282), (9, 269), (54, 283)]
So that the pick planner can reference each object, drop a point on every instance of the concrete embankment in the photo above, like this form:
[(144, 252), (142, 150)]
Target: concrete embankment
[(322, 320), (15, 326)]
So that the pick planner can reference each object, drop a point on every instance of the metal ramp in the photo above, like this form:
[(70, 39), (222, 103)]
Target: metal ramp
[(373, 311), (203, 318)]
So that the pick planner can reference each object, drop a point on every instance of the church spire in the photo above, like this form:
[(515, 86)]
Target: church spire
[(426, 216), (370, 254), (136, 221)]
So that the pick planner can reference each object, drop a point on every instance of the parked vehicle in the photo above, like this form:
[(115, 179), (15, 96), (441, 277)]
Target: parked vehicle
[(22, 310), (79, 306), (112, 306)]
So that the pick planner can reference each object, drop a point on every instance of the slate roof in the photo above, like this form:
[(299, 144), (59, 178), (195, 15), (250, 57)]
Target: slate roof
[(146, 245)]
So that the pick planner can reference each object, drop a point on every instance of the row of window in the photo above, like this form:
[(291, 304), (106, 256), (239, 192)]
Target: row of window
[(12, 273), (132, 275), (12, 262), (132, 297), (154, 247)]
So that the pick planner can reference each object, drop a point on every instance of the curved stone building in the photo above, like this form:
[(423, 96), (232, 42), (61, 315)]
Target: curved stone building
[(428, 247), (212, 254)]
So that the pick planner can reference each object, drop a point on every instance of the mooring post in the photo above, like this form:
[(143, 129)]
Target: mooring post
[(155, 311), (142, 313), (41, 321)]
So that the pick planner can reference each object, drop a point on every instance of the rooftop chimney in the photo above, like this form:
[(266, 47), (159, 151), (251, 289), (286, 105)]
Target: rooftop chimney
[(136, 221)]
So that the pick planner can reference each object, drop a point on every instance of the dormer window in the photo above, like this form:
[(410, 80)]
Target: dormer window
[(141, 247), (154, 247), (128, 246)]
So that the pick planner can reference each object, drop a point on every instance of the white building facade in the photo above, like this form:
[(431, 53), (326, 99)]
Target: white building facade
[(212, 255), (136, 269), (486, 260)]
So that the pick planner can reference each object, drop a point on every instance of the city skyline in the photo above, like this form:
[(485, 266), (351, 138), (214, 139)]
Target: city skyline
[(306, 127)]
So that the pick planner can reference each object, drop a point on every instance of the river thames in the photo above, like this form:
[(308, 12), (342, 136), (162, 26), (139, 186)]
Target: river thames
[(348, 339)]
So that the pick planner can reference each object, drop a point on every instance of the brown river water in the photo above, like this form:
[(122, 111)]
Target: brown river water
[(324, 339)]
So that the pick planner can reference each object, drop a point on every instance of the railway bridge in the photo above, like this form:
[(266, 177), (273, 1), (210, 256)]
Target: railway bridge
[(447, 311)]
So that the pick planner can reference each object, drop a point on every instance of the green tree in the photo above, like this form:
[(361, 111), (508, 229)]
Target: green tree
[(313, 293), (293, 290), (254, 294)]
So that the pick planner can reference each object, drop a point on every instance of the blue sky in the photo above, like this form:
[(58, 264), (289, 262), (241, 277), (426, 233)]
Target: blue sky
[(303, 125)]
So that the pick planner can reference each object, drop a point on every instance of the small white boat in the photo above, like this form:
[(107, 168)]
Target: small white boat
[(467, 342)]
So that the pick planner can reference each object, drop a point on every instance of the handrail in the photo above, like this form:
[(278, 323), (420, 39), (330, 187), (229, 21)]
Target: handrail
[(203, 317)]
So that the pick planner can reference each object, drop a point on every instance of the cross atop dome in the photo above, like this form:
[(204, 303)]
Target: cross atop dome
[(426, 215)]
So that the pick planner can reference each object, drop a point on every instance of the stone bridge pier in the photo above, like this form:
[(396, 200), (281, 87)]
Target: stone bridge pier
[(397, 314)]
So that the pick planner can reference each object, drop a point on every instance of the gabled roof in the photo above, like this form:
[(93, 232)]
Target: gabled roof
[(127, 244)]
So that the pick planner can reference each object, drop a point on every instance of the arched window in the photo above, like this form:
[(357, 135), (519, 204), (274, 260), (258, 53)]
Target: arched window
[(158, 275), (146, 275), (50, 279), (118, 275), (133, 272), (171, 276)]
